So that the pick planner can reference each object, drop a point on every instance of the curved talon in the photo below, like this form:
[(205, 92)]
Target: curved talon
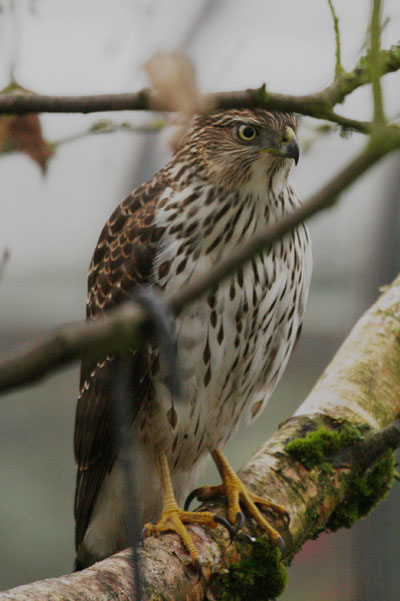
[(220, 520), (238, 495), (239, 524), (197, 564), (191, 496), (143, 535)]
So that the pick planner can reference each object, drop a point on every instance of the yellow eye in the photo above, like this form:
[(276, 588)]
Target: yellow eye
[(246, 132)]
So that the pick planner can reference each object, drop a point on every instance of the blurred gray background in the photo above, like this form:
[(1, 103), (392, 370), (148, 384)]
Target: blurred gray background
[(51, 224)]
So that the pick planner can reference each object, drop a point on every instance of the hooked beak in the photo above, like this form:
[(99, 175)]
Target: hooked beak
[(290, 150)]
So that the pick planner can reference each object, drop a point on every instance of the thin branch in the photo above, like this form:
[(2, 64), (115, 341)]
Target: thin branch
[(118, 330), (343, 396), (375, 61), (348, 82), (106, 126), (338, 65)]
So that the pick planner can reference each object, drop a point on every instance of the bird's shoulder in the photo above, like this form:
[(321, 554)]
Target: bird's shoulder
[(124, 254)]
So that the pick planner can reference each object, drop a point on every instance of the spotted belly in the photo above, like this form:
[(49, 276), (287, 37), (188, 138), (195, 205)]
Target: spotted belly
[(233, 347)]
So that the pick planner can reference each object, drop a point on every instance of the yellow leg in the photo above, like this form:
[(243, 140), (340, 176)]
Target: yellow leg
[(237, 494), (173, 518)]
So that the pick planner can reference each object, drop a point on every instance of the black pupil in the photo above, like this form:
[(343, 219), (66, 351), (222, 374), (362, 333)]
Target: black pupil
[(248, 132)]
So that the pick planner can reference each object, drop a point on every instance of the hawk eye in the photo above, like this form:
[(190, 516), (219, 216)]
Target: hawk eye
[(246, 132)]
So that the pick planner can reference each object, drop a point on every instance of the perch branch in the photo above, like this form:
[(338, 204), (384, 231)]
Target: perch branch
[(361, 387)]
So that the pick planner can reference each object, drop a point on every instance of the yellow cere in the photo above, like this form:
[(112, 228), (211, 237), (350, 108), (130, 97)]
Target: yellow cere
[(288, 134)]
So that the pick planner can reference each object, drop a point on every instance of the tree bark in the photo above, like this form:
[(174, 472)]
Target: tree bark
[(361, 387)]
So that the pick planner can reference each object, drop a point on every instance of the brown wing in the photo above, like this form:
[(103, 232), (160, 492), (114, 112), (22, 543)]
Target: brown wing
[(122, 259)]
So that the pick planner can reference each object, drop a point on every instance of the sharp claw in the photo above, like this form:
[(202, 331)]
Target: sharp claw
[(225, 523), (199, 569), (143, 535), (281, 544), (190, 498), (239, 524)]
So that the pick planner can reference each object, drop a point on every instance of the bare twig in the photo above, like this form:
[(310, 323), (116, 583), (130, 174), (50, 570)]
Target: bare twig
[(375, 61), (338, 65), (117, 330), (106, 126)]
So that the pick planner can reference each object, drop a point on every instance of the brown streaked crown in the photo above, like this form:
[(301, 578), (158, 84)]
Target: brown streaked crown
[(215, 150)]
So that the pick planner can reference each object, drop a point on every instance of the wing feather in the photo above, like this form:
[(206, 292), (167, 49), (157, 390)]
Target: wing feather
[(123, 258)]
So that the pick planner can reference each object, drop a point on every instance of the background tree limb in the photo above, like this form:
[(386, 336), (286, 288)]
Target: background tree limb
[(119, 329), (359, 389), (318, 105)]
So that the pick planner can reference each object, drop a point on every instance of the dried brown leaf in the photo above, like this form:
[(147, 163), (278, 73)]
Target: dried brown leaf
[(173, 80), (172, 77), (23, 133)]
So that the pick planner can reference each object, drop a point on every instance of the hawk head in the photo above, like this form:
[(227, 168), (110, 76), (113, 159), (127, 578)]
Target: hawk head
[(234, 147)]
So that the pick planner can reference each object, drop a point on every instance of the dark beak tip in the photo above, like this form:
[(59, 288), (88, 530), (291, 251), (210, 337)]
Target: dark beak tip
[(294, 151)]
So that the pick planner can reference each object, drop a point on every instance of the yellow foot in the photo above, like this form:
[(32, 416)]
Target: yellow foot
[(237, 494), (173, 519)]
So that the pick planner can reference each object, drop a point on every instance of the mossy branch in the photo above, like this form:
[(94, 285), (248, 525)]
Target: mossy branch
[(328, 465), (346, 83)]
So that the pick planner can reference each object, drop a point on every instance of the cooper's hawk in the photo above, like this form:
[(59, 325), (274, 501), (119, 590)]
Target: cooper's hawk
[(227, 180)]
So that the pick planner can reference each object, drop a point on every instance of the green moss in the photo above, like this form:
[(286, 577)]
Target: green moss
[(312, 513), (350, 435), (365, 491), (314, 449), (258, 576)]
